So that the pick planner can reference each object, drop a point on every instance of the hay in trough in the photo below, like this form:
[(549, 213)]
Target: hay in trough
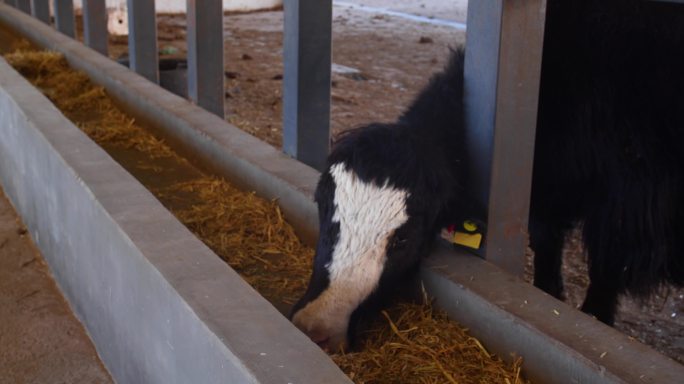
[(249, 233), (416, 343), (410, 343), (87, 105)]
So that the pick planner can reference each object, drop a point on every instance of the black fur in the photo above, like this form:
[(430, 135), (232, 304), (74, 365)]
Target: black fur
[(609, 155), (609, 147)]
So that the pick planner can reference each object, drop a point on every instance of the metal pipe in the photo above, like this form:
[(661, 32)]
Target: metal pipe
[(502, 74), (40, 9), (95, 25), (307, 61), (142, 38), (24, 5), (64, 17), (205, 54)]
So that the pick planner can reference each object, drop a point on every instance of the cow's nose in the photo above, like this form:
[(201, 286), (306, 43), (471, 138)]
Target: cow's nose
[(318, 336), (331, 344), (323, 344), (324, 339)]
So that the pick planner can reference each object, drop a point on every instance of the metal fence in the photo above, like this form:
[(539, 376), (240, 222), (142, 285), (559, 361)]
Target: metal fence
[(503, 64)]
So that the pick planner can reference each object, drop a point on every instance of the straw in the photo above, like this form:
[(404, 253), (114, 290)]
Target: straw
[(409, 343)]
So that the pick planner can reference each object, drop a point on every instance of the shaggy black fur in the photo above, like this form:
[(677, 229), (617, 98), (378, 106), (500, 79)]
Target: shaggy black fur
[(609, 155), (609, 147)]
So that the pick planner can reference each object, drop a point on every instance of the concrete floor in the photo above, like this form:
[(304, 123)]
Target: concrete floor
[(453, 10), (41, 341)]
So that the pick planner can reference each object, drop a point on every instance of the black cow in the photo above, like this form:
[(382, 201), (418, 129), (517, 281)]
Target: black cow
[(609, 156), (609, 147)]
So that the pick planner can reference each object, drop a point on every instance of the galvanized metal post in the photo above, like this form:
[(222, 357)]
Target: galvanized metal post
[(24, 5), (307, 61), (502, 74), (205, 54), (95, 25), (142, 38), (64, 17), (40, 9)]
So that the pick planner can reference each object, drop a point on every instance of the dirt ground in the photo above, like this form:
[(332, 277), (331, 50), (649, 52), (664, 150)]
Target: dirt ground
[(453, 10), (393, 58), (386, 82), (657, 321), (40, 339)]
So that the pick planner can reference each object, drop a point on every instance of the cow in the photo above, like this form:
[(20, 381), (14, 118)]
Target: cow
[(609, 156), (380, 201), (608, 152)]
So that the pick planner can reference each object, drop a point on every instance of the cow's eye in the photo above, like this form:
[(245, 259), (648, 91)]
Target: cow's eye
[(398, 241)]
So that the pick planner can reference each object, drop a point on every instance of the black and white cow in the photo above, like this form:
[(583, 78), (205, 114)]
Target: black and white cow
[(609, 156), (379, 204)]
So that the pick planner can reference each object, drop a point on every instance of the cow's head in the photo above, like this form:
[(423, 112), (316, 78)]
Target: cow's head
[(369, 238), (386, 191)]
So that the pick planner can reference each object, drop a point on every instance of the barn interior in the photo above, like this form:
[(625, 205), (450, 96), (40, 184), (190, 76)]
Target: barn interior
[(187, 173)]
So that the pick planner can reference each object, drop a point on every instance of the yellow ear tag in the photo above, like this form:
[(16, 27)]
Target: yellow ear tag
[(469, 226), (470, 240)]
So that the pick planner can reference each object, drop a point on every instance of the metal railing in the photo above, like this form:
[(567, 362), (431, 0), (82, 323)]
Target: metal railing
[(497, 70)]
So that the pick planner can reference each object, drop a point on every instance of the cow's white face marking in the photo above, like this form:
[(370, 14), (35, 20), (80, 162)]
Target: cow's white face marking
[(368, 215)]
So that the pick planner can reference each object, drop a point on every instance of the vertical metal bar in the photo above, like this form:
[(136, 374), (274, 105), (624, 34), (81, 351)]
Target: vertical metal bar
[(142, 38), (205, 54), (95, 25), (64, 17), (307, 61), (502, 74), (40, 9), (24, 5)]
